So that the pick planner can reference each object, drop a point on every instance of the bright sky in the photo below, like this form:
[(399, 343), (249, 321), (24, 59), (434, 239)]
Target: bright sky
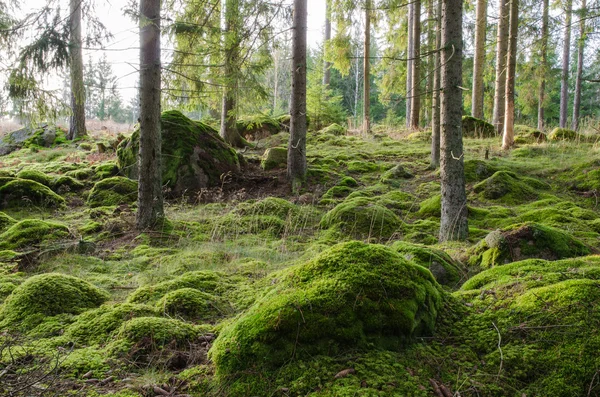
[(122, 51)]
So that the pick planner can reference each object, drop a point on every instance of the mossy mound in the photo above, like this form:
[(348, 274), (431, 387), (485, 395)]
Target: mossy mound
[(192, 304), (234, 224), (31, 232), (509, 188), (562, 134), (66, 184), (362, 167), (347, 298), (113, 191), (105, 170), (48, 295), (35, 175), (258, 126), (478, 170), (395, 175), (362, 218), (21, 192), (446, 270), (522, 241), (432, 207), (193, 155), (273, 206), (5, 222), (334, 129), (527, 135), (275, 157), (476, 128)]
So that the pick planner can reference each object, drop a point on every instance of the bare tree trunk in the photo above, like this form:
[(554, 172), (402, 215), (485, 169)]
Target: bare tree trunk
[(367, 68), (150, 199), (327, 65), (276, 79), (508, 138), (77, 119), (479, 59), (296, 169), (501, 49), (415, 92), (580, 53), (356, 84), (544, 64), (435, 107), (453, 224), (430, 62), (564, 82), (410, 56)]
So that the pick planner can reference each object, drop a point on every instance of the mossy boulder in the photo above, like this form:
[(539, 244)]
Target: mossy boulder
[(478, 170), (446, 270), (523, 241), (5, 222), (273, 206), (476, 128), (334, 129), (193, 155), (192, 304), (35, 175), (527, 135), (258, 126), (48, 295), (349, 297), (113, 191), (275, 157), (105, 170), (562, 134), (362, 167), (362, 218), (395, 175), (32, 232), (23, 192), (509, 188), (432, 207), (63, 184)]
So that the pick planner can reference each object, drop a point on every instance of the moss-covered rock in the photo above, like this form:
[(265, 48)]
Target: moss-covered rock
[(258, 126), (446, 270), (5, 222), (527, 135), (562, 134), (274, 206), (192, 304), (432, 207), (113, 191), (63, 184), (509, 188), (234, 224), (105, 170), (275, 157), (23, 192), (395, 175), (193, 155), (31, 232), (476, 128), (334, 129), (362, 167), (478, 170), (522, 241), (347, 298), (362, 218), (48, 295), (35, 175)]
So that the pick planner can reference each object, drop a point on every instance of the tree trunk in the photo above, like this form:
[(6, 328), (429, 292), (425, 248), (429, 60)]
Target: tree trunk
[(327, 65), (415, 92), (410, 56), (508, 138), (430, 62), (296, 169), (580, 53), (544, 64), (453, 224), (150, 199), (435, 107), (275, 79), (479, 59), (501, 49), (367, 68), (77, 119), (564, 82)]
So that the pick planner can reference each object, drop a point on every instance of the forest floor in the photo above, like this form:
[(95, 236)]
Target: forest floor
[(252, 291)]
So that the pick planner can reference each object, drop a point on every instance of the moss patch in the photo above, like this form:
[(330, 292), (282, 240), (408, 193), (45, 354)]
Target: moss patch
[(334, 129), (477, 128), (5, 222), (192, 304), (562, 134), (21, 192), (275, 157), (446, 270), (509, 188), (113, 191), (478, 170), (31, 232), (35, 175)]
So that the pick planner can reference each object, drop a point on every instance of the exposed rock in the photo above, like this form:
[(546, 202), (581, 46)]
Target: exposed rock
[(275, 157)]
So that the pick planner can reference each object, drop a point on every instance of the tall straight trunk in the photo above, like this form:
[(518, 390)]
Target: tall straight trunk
[(544, 64), (410, 56), (435, 105), (77, 119), (327, 65), (150, 199), (296, 167), (415, 91), (501, 49), (564, 82), (275, 79), (367, 68), (231, 44), (453, 223), (580, 53), (430, 66), (356, 84), (508, 138), (479, 59)]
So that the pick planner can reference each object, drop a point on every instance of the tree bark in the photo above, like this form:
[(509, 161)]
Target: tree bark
[(564, 82), (415, 91), (296, 168), (410, 56), (327, 65), (453, 225), (435, 107), (501, 50), (544, 64), (77, 119), (580, 54), (150, 199), (508, 137), (479, 59), (367, 68), (430, 62)]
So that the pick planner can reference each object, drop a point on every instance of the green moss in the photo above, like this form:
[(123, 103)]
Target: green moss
[(346, 298), (432, 207), (234, 224), (347, 181), (86, 360), (336, 192), (446, 270), (5, 222), (192, 304), (509, 188), (527, 135), (395, 175), (476, 128), (361, 218), (21, 192), (273, 206), (81, 174), (35, 175), (48, 295), (105, 170), (258, 124), (275, 157), (31, 232), (362, 167), (478, 170), (334, 129), (562, 134), (113, 191), (66, 184)]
